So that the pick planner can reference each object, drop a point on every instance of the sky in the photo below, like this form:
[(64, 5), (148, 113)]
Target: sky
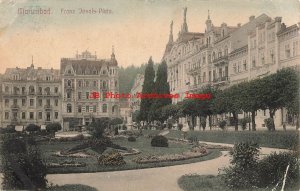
[(137, 29)]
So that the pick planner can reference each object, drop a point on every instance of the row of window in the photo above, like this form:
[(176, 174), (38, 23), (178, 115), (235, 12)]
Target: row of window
[(30, 115), (31, 102), (31, 89), (89, 108)]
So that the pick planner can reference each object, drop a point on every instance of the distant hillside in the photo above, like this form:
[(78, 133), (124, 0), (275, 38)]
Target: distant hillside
[(128, 74)]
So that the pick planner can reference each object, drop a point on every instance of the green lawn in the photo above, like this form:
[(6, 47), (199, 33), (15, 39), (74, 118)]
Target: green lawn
[(142, 144), (277, 139), (212, 183)]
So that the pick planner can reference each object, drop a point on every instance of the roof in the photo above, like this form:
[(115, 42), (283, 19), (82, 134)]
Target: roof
[(187, 36), (239, 36), (287, 29), (32, 72)]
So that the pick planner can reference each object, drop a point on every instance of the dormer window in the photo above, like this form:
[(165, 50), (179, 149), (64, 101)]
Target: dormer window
[(69, 72)]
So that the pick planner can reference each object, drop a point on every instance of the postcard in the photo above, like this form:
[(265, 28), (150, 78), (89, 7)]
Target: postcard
[(143, 95)]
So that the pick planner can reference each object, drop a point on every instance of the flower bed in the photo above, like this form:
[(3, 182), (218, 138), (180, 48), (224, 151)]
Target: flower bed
[(111, 159), (194, 153), (73, 155), (66, 164)]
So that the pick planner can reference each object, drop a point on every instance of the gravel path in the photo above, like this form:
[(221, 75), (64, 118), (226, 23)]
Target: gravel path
[(163, 178)]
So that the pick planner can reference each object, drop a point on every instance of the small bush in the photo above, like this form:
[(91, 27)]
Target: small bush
[(111, 159), (32, 128), (170, 125), (269, 122), (243, 123), (124, 127), (272, 169), (159, 141), (131, 139), (7, 130), (222, 124), (116, 131)]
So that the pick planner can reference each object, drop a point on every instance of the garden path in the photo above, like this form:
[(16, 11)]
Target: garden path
[(163, 178)]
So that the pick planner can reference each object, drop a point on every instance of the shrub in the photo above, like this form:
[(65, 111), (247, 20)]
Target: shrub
[(180, 126), (22, 166), (32, 128), (124, 127), (170, 125), (222, 124), (7, 130), (111, 159), (244, 160), (131, 139), (244, 122), (53, 127), (273, 167), (159, 141), (98, 126), (116, 131), (269, 122)]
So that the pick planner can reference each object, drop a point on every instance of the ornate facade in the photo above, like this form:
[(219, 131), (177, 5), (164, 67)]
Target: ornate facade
[(83, 77), (225, 55), (31, 95)]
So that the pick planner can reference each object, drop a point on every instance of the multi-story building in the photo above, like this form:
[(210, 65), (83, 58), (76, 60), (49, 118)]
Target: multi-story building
[(226, 55), (136, 88), (85, 82), (30, 96)]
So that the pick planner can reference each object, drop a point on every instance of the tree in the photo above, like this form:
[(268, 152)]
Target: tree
[(190, 108), (22, 165), (32, 128), (116, 121), (97, 126), (161, 88), (53, 127), (148, 87)]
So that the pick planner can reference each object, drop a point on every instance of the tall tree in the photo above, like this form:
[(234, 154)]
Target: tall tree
[(161, 88), (148, 87)]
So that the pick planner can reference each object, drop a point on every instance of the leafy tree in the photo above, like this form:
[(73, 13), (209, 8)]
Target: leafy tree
[(136, 116), (97, 126), (23, 168), (190, 108), (53, 127), (116, 121), (148, 87), (32, 128)]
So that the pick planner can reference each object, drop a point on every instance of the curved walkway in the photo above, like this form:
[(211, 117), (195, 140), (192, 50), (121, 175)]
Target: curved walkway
[(163, 178)]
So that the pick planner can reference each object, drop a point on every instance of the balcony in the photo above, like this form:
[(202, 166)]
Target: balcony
[(47, 107), (221, 60), (14, 107), (221, 81)]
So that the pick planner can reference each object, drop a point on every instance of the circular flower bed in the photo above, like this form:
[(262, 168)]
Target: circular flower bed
[(111, 159)]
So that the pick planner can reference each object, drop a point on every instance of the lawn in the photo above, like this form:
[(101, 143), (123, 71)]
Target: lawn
[(277, 139), (212, 183), (142, 144)]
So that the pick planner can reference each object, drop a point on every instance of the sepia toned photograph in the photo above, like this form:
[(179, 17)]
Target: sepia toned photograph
[(150, 95)]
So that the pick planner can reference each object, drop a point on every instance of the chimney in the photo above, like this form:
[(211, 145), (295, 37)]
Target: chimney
[(251, 18), (39, 68), (239, 25)]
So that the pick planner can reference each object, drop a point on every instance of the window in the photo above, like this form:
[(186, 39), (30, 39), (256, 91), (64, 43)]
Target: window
[(87, 83), (23, 90), (103, 96), (6, 102), (23, 102), (31, 90), (56, 115), (287, 51), (68, 95), (104, 84), (23, 115), (295, 48), (104, 108), (69, 108), (87, 94), (48, 118), (245, 65), (79, 109), (209, 76), (48, 102), (6, 89), (69, 83), (31, 102), (56, 102), (234, 67), (15, 102), (79, 83), (31, 115), (87, 108), (40, 90), (40, 102), (95, 83), (204, 76), (262, 58), (253, 62), (94, 108), (48, 78), (272, 56), (79, 95), (40, 115), (116, 83), (56, 90), (6, 115)]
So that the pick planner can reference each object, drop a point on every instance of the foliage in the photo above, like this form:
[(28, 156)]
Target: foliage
[(269, 122), (136, 116), (53, 127), (222, 124), (244, 160), (7, 130), (131, 139), (272, 168), (32, 128), (148, 87), (97, 126), (159, 141), (203, 122), (23, 167), (244, 122), (180, 126), (116, 121), (111, 159)]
